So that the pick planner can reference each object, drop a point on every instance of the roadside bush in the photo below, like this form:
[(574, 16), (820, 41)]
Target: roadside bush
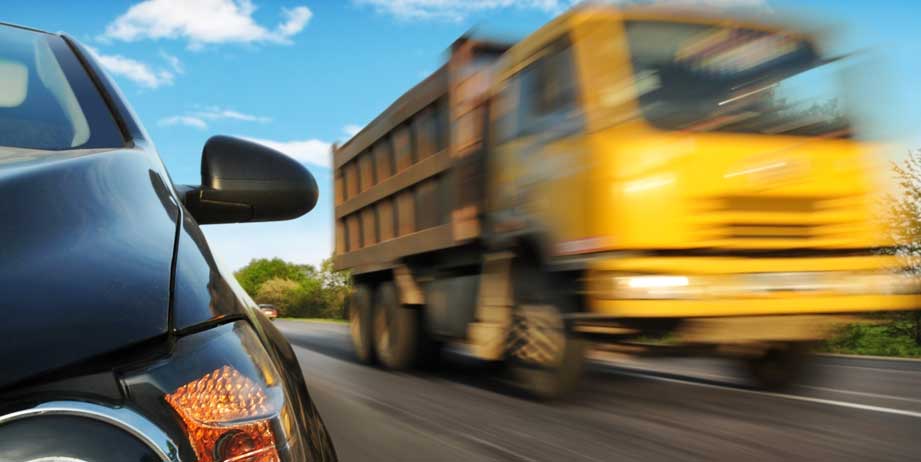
[(301, 291), (278, 292), (261, 270), (877, 339)]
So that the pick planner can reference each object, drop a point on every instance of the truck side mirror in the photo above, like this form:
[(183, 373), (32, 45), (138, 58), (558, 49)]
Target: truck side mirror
[(245, 181)]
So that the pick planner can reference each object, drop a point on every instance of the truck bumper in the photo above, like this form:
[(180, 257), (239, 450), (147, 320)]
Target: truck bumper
[(773, 305), (685, 287)]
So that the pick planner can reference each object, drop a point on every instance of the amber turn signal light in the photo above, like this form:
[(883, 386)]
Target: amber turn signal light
[(227, 417)]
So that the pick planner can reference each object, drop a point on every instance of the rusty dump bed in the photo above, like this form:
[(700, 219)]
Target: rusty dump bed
[(411, 181)]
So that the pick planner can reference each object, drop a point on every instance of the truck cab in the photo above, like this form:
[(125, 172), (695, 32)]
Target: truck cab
[(697, 176)]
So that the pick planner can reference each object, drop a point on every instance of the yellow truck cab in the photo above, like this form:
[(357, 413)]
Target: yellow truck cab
[(636, 173), (694, 168)]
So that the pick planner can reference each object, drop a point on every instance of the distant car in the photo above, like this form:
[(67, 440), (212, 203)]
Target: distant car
[(268, 310), (122, 339)]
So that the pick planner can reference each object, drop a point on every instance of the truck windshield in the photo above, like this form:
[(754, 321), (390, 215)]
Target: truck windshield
[(714, 78), (47, 101)]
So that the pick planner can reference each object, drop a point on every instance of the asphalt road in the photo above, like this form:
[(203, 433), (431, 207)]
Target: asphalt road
[(689, 409)]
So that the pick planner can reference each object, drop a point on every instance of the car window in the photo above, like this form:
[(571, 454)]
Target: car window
[(46, 99)]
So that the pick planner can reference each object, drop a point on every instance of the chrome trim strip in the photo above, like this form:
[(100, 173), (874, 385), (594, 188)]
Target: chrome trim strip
[(121, 417)]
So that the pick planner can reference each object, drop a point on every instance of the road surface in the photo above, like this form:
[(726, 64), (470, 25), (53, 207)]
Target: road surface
[(689, 409)]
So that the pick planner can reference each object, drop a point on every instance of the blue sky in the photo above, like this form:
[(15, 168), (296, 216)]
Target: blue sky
[(300, 74)]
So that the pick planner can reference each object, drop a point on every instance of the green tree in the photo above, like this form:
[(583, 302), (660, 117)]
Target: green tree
[(905, 225), (278, 292), (336, 288), (296, 290), (261, 270)]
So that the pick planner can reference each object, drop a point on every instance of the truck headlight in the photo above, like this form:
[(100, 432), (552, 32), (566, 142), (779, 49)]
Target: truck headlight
[(220, 388), (675, 287), (889, 283), (652, 287)]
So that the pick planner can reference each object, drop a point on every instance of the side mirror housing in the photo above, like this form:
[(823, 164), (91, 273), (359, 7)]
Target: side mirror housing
[(244, 181)]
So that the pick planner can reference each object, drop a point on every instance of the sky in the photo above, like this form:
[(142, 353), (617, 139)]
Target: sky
[(299, 75)]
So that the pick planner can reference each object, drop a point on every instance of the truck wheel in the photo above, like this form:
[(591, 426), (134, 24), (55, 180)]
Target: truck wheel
[(780, 367), (396, 330), (360, 324), (545, 360)]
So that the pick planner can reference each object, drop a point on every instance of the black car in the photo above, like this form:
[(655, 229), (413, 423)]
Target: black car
[(122, 340)]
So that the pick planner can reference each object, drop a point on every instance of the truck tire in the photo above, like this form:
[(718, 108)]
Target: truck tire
[(396, 330), (779, 367), (543, 357), (360, 324)]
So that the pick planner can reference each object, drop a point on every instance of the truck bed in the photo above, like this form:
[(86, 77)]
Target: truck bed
[(411, 181)]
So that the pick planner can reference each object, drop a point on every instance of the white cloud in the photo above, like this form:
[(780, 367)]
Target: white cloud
[(351, 129), (203, 22), (218, 113), (311, 151), (455, 9), (295, 20), (174, 63), (199, 119), (133, 70), (188, 121)]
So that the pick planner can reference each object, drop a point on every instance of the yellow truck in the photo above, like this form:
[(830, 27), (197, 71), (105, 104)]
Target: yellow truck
[(620, 175)]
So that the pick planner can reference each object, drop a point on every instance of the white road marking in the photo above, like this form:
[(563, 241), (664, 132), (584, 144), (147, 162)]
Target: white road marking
[(862, 393), (864, 407), (731, 380), (877, 369)]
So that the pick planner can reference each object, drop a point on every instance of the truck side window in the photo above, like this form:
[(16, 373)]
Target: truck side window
[(526, 114), (503, 112), (556, 84), (547, 91)]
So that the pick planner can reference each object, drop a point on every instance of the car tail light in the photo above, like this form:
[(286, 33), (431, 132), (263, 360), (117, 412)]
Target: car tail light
[(221, 390), (226, 415)]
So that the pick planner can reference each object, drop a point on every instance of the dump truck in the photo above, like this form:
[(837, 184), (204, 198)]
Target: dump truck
[(638, 179)]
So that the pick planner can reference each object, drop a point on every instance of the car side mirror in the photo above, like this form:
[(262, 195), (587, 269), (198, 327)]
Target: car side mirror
[(245, 181)]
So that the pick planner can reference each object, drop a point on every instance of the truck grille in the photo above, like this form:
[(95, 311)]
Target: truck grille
[(768, 204), (789, 231), (741, 221)]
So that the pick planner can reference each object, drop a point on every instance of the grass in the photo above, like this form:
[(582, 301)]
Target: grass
[(318, 320), (874, 340)]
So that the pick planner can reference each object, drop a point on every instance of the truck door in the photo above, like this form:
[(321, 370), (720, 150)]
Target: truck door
[(539, 159)]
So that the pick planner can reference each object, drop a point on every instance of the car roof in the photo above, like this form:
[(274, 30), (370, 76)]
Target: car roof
[(18, 26)]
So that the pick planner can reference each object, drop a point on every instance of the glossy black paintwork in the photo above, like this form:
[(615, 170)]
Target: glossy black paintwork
[(85, 439), (244, 181), (102, 268), (202, 291), (86, 247)]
